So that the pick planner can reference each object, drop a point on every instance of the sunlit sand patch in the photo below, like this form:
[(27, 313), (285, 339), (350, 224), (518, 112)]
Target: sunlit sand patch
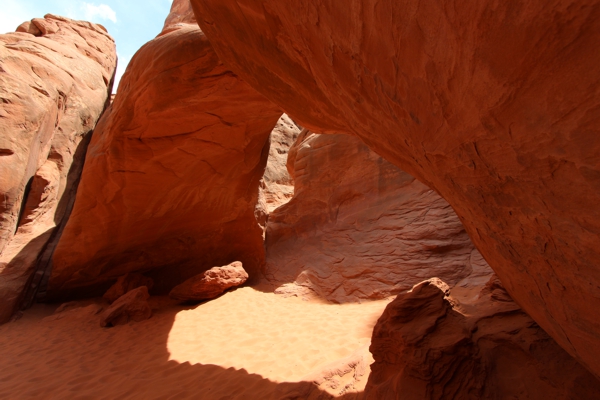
[(282, 339), (244, 345)]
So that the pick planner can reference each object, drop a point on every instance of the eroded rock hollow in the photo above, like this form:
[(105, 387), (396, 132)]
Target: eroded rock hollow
[(359, 227)]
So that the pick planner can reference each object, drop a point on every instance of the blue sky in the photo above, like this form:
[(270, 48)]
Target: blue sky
[(131, 23)]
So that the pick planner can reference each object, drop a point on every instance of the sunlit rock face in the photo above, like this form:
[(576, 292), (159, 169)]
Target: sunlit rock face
[(494, 105), (277, 186), (360, 228), (171, 177), (55, 78), (181, 13)]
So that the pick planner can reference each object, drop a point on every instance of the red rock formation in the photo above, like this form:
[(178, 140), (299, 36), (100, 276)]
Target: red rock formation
[(211, 283), (431, 343), (181, 13), (360, 228), (55, 77), (493, 104), (45, 78), (171, 177), (125, 284), (132, 306)]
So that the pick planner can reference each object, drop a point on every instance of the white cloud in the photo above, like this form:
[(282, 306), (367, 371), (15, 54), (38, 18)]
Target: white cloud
[(12, 15), (92, 12), (15, 12)]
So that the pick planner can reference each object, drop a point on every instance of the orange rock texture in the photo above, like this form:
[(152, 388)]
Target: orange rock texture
[(171, 176), (437, 343), (125, 284), (358, 227), (132, 306), (181, 13), (494, 105), (55, 78), (210, 284)]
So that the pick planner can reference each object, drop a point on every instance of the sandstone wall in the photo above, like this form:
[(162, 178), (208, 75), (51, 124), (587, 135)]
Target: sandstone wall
[(55, 78), (171, 177), (358, 227)]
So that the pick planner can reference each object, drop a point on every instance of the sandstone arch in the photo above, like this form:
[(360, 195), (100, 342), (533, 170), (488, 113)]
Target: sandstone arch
[(492, 104)]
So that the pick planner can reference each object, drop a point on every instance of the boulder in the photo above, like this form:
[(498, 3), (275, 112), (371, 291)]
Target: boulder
[(491, 104), (431, 343), (360, 228), (211, 283), (132, 306), (55, 78), (171, 177), (125, 284)]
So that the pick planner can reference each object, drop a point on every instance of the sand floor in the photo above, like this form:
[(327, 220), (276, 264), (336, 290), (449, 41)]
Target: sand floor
[(246, 344)]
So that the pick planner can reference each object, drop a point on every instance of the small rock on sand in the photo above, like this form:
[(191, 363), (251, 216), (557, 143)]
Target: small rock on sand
[(211, 283)]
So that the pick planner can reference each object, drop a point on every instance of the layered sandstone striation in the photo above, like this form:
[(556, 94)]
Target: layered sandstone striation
[(494, 105), (358, 227), (171, 176), (55, 78), (436, 343)]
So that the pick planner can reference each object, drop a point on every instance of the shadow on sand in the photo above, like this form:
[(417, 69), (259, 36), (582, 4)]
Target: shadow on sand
[(67, 355)]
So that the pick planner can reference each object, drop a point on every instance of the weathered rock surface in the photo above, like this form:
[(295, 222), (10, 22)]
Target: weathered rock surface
[(211, 283), (125, 284), (45, 78), (132, 306), (492, 104), (181, 13), (433, 344), (277, 186), (171, 176), (360, 228), (55, 77)]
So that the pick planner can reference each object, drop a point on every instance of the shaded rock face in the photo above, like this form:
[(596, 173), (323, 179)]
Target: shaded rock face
[(432, 344), (360, 228), (125, 284), (132, 306), (211, 283), (55, 77), (492, 104), (171, 177)]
